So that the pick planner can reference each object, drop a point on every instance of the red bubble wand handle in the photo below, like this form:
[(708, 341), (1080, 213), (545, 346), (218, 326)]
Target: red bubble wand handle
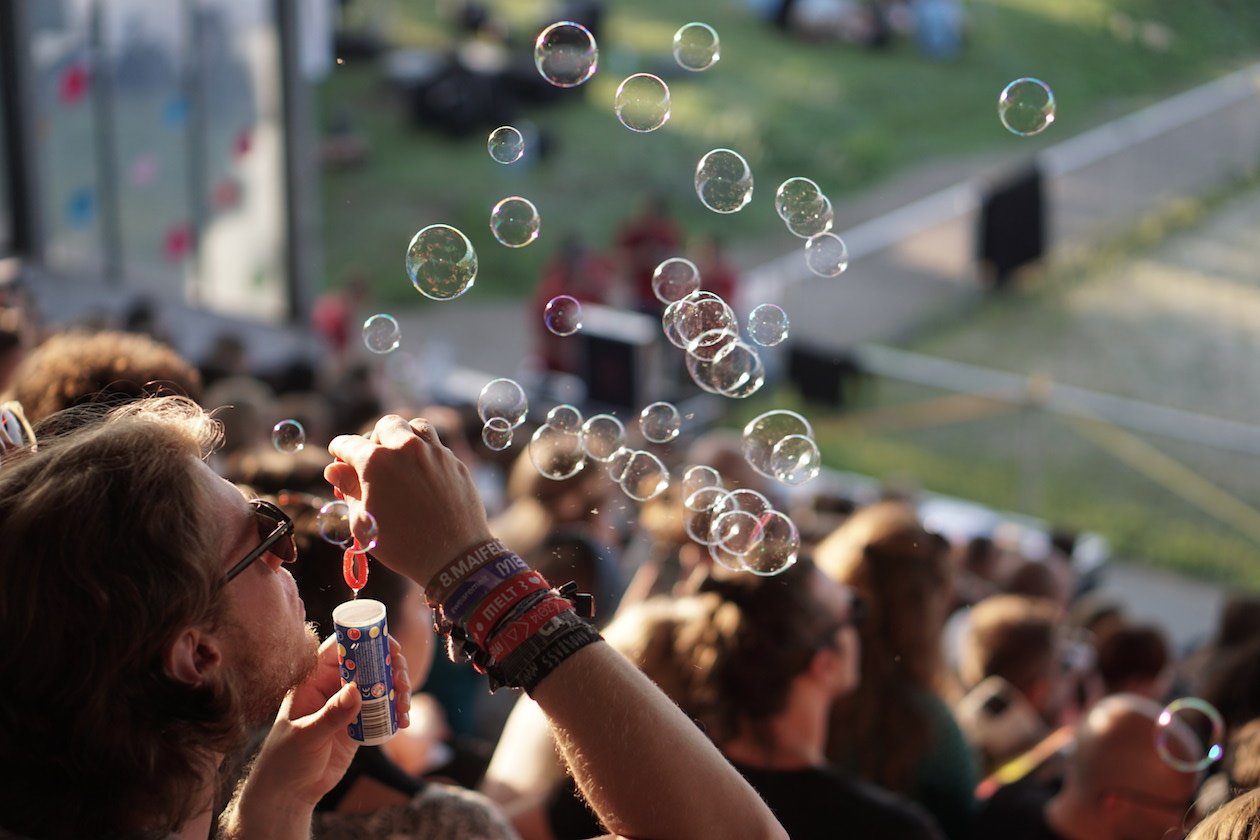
[(356, 574)]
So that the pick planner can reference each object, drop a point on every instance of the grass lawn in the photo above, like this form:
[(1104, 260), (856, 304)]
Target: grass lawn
[(844, 116)]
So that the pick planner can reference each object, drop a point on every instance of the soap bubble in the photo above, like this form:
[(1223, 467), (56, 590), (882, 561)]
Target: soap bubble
[(674, 279), (767, 325), (441, 262), (514, 222), (642, 102), (724, 182), (1178, 731), (826, 254), (563, 315), (696, 46), (700, 313), (698, 517), (503, 398), (565, 418), (602, 436), (698, 477), (808, 222), (565, 54), (557, 454), (496, 434), (736, 371), (381, 333), (779, 547), (660, 422), (288, 436), (644, 477), (748, 501), (618, 462), (336, 526), (795, 195), (1026, 107), (764, 431), (506, 145), (795, 459), (709, 345), (737, 531)]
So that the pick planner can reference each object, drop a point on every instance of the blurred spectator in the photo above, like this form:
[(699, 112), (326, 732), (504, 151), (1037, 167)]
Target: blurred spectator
[(896, 729), (228, 356), (336, 312), (1136, 660), (644, 241), (1237, 820), (77, 368)]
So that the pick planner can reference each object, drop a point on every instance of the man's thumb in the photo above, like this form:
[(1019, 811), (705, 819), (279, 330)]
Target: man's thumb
[(340, 709)]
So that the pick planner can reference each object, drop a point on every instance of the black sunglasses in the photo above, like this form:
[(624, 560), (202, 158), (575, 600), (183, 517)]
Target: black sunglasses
[(274, 526)]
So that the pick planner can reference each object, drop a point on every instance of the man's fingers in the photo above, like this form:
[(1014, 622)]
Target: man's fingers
[(424, 429), (353, 449), (344, 479)]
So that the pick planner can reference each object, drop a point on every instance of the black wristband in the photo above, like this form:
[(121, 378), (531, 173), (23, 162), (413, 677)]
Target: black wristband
[(542, 653)]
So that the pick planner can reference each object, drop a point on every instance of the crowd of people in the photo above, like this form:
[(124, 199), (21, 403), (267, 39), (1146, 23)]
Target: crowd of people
[(165, 584)]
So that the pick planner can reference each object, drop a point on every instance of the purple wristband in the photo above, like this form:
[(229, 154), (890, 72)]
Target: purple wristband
[(480, 584)]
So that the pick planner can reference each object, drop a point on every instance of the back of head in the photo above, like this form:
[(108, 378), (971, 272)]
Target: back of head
[(1238, 819), (1240, 621), (76, 368), (105, 556), (1013, 637), (1133, 658)]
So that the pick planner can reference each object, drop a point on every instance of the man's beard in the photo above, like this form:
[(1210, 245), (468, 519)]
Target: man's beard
[(269, 665)]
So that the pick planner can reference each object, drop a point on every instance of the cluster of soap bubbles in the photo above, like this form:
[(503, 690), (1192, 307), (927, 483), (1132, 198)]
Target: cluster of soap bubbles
[(335, 522), (741, 528), (502, 407), (705, 326), (780, 444), (1179, 730), (807, 213)]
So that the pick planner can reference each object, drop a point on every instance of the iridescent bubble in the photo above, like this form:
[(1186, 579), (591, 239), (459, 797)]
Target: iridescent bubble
[(503, 398), (514, 222), (660, 422), (696, 46), (602, 436), (795, 459), (764, 431), (333, 521), (506, 144), (644, 477), (709, 345), (1176, 740), (736, 531), (642, 102), (288, 436), (795, 195), (565, 54), (674, 279), (826, 254), (779, 547), (768, 325), (721, 556), (748, 501), (496, 434), (698, 477), (736, 371), (563, 315), (566, 418), (381, 333), (556, 454), (1026, 107), (698, 517), (441, 262), (618, 462), (808, 222), (701, 313), (724, 182)]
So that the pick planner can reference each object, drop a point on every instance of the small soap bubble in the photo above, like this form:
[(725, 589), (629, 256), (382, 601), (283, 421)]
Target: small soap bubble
[(779, 547), (698, 477), (1026, 107), (642, 102), (618, 462), (556, 454), (333, 521), (701, 313), (644, 477), (709, 345), (602, 436), (563, 315), (743, 499), (724, 182), (699, 507), (441, 262), (736, 371), (565, 418), (826, 254), (768, 325), (496, 434), (503, 398), (288, 436), (660, 422), (736, 531), (565, 54), (764, 431), (514, 222), (795, 459), (675, 279), (808, 222), (381, 333), (696, 46), (506, 144), (1180, 732), (795, 195)]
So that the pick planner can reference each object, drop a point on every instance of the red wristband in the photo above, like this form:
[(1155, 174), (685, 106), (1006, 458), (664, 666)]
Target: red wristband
[(499, 603), (510, 637)]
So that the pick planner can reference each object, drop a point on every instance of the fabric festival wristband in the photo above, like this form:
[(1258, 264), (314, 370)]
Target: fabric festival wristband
[(501, 604), (480, 585), (465, 563), (542, 653), (510, 636)]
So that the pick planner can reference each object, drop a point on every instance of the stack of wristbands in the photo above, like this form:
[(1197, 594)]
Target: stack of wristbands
[(505, 618)]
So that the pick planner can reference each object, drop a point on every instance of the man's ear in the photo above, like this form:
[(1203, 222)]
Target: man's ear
[(193, 656)]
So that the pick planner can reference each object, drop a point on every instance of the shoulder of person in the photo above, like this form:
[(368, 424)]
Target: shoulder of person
[(438, 812)]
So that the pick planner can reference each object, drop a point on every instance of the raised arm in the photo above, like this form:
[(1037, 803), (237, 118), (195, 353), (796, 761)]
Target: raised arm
[(645, 768)]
